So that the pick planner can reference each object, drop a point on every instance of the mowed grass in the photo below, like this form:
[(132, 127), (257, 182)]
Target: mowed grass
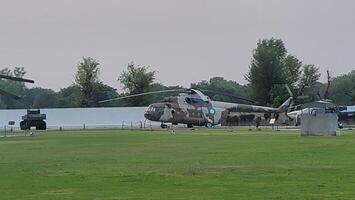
[(200, 164)]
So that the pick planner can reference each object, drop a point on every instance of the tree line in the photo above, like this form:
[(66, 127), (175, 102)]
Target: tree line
[(270, 69)]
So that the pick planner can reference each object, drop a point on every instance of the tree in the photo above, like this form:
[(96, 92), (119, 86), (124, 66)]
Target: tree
[(19, 72), (40, 98), (87, 79), (271, 67), (310, 76), (6, 71), (69, 97), (105, 92), (292, 70), (14, 87), (135, 80), (267, 68), (342, 89)]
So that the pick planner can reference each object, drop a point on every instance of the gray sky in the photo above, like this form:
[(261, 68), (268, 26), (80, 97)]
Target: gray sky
[(184, 40)]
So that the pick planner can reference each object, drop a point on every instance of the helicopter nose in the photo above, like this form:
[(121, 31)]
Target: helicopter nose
[(148, 115), (154, 112)]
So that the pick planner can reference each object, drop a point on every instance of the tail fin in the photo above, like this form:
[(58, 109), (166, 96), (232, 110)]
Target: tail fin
[(285, 106)]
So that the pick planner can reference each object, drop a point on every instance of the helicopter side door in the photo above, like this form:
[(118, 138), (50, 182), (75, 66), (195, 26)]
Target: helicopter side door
[(210, 115)]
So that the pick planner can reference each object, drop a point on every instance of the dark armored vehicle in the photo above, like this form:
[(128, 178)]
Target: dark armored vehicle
[(33, 118)]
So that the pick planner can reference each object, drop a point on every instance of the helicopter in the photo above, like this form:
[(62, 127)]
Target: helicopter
[(323, 105), (193, 108), (8, 94), (344, 112)]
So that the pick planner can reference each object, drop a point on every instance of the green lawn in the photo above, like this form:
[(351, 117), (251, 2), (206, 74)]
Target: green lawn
[(206, 164)]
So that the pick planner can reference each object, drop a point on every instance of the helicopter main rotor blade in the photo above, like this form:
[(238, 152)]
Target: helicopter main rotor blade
[(229, 95), (137, 95), (8, 94), (16, 78)]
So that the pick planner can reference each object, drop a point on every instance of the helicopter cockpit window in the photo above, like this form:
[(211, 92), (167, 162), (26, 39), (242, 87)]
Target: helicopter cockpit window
[(155, 109), (159, 109), (188, 100), (152, 109), (195, 101)]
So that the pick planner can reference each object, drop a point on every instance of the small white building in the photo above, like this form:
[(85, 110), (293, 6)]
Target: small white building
[(320, 119)]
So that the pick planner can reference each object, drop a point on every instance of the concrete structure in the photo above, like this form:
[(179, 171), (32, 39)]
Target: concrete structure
[(318, 122)]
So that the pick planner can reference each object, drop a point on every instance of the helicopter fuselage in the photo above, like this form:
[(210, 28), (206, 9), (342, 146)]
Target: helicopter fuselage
[(199, 110)]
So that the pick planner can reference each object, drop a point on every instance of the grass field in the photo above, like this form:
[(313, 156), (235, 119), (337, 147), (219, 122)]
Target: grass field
[(205, 164)]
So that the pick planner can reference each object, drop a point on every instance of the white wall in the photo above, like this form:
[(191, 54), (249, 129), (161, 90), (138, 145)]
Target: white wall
[(76, 117)]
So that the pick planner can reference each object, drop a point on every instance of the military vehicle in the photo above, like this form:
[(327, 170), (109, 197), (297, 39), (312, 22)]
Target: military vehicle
[(193, 108), (33, 118)]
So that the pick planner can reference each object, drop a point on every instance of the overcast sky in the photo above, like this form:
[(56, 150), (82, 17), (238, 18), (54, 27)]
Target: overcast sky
[(184, 40)]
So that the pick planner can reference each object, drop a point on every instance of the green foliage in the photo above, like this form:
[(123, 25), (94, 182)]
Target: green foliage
[(69, 97), (302, 80), (106, 92), (342, 89), (266, 69), (292, 70), (87, 78), (19, 72), (219, 84), (135, 80), (309, 77), (279, 94), (271, 67), (13, 87), (40, 98)]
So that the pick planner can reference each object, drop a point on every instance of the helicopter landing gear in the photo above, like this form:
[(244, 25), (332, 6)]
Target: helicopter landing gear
[(209, 125), (163, 125)]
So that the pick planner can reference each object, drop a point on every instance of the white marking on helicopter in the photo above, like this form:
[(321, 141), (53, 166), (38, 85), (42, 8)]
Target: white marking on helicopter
[(167, 115)]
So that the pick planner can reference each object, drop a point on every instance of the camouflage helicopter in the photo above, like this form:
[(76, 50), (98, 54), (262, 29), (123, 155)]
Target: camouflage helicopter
[(8, 94), (193, 108)]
